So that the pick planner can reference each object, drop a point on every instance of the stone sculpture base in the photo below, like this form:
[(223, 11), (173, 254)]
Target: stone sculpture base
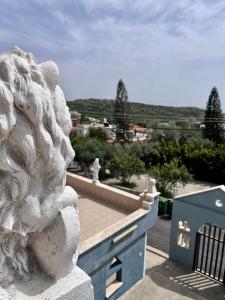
[(74, 286)]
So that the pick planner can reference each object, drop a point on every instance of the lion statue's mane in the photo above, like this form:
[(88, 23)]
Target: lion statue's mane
[(35, 151)]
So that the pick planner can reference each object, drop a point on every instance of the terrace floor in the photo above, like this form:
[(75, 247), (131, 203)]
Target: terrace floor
[(96, 215)]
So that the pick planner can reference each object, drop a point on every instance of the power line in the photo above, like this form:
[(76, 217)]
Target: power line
[(143, 115), (121, 116)]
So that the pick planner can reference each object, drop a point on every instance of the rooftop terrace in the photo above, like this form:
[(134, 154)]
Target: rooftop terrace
[(96, 215)]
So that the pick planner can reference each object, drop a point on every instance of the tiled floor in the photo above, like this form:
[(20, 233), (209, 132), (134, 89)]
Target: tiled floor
[(96, 215)]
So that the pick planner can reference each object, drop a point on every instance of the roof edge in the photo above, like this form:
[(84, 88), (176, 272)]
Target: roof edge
[(219, 187)]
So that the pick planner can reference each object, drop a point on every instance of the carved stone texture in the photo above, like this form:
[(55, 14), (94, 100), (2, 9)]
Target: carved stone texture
[(95, 168), (54, 246), (38, 213)]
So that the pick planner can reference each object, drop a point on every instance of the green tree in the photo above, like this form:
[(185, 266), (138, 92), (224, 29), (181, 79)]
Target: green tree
[(97, 133), (213, 118), (88, 149), (169, 175), (124, 166), (121, 113)]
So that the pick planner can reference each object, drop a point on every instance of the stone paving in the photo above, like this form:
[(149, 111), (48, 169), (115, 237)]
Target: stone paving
[(95, 216), (166, 280)]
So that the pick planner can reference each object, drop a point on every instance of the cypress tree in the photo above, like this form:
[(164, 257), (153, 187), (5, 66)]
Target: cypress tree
[(121, 113), (213, 120)]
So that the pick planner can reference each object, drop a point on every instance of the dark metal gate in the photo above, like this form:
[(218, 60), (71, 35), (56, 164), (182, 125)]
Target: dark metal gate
[(210, 251)]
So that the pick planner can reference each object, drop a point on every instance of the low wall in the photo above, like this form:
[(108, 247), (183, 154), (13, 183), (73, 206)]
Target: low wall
[(104, 192)]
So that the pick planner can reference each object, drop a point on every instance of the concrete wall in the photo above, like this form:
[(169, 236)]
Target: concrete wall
[(198, 209), (130, 273), (104, 192)]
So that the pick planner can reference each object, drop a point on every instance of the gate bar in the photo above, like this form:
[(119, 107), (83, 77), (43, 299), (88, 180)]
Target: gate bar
[(197, 246), (212, 250), (203, 247), (207, 252), (217, 252), (221, 262)]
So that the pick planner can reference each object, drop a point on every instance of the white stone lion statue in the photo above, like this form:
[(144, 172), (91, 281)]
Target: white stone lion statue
[(38, 213)]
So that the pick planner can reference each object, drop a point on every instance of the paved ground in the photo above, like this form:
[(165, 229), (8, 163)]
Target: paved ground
[(180, 190), (165, 280), (193, 186), (97, 215), (159, 235)]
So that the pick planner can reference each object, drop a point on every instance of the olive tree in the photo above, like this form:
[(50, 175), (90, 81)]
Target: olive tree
[(169, 175), (123, 166)]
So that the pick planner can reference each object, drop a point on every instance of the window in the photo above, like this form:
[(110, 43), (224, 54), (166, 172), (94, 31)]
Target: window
[(183, 240), (183, 237), (184, 225), (219, 203)]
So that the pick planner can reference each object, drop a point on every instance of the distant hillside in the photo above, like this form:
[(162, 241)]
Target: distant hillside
[(101, 108)]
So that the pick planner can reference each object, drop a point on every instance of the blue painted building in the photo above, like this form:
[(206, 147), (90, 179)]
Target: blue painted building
[(197, 237), (114, 258), (119, 258)]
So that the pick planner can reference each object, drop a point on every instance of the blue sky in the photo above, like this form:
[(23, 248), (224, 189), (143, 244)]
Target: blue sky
[(168, 52)]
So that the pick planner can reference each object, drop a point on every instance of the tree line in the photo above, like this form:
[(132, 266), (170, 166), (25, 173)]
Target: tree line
[(172, 157), (213, 125)]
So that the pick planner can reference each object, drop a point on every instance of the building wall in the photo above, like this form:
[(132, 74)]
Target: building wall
[(130, 270), (197, 210), (130, 251)]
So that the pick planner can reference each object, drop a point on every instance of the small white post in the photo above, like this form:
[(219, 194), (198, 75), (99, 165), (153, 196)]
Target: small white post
[(149, 194)]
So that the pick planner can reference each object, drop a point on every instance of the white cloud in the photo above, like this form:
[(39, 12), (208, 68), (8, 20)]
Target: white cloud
[(144, 41)]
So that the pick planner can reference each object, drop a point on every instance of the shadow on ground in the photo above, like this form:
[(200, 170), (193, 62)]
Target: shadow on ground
[(159, 234), (185, 282)]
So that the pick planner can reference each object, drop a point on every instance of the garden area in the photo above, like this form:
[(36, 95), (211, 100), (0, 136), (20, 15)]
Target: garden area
[(172, 157), (172, 160)]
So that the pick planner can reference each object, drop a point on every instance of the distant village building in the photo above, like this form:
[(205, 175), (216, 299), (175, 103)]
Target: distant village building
[(108, 129), (82, 129), (75, 117), (137, 133), (141, 134)]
